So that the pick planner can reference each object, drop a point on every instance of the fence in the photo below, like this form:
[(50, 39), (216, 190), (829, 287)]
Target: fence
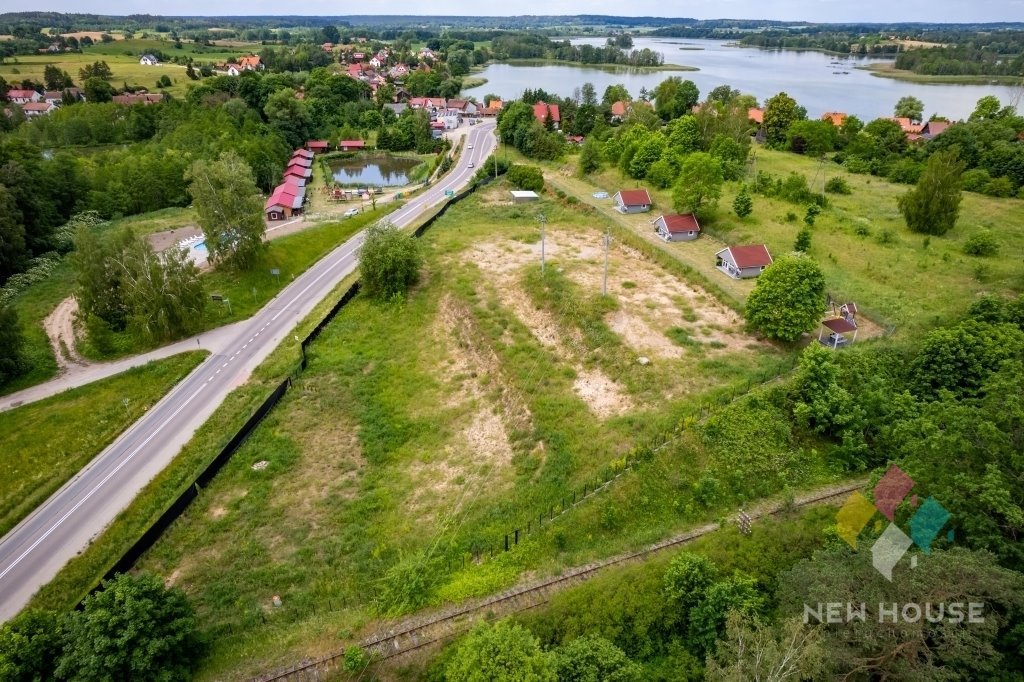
[(187, 496)]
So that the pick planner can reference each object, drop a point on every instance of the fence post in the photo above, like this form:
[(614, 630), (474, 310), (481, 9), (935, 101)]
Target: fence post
[(517, 536), (506, 542)]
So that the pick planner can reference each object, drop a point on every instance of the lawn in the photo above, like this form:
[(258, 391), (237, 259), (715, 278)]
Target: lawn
[(424, 430), (899, 279), (47, 442)]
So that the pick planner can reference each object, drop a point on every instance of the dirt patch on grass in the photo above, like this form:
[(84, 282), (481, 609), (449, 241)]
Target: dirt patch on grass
[(60, 329), (502, 264)]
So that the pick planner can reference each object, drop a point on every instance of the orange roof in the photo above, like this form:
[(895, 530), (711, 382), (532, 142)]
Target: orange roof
[(906, 124), (619, 108), (836, 118), (251, 60), (756, 115)]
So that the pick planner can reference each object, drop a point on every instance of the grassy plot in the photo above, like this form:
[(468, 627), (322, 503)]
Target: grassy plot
[(425, 430), (865, 250), (47, 442)]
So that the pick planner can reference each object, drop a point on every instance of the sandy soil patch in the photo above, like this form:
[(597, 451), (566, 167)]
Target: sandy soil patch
[(161, 241), (502, 263), (60, 329)]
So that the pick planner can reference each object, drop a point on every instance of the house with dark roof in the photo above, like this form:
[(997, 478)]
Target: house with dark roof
[(677, 228), (742, 262), (542, 110), (149, 60), (841, 332), (633, 201)]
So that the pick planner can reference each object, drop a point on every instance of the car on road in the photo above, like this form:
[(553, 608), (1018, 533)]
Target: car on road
[(469, 146), (470, 164), (351, 212)]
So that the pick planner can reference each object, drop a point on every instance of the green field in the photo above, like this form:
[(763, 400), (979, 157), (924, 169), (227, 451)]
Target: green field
[(496, 393), (889, 71), (898, 278), (123, 58), (47, 442)]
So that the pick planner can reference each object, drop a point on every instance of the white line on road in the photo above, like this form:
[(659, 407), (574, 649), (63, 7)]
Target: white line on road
[(99, 485)]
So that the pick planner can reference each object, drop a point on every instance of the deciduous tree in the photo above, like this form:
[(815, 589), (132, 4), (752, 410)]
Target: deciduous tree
[(743, 204), (699, 185), (503, 652), (389, 261), (909, 107), (230, 209), (788, 299), (595, 659), (780, 112)]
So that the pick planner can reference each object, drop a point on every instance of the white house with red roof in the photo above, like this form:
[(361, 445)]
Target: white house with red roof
[(251, 62), (351, 145), (398, 71), (542, 110), (23, 96), (619, 110), (33, 109), (633, 201), (284, 202), (677, 227), (742, 262)]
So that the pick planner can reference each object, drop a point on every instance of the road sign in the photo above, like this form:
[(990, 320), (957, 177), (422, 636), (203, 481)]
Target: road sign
[(449, 192), (275, 271)]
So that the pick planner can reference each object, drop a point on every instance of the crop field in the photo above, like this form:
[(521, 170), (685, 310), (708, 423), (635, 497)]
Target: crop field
[(899, 279), (425, 429)]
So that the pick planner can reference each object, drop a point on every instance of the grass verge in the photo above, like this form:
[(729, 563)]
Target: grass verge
[(47, 442)]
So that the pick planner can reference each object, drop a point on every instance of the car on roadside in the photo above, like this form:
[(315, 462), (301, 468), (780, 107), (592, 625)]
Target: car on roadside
[(351, 212)]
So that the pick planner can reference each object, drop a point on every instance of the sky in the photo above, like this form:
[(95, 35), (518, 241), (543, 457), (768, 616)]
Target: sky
[(934, 11)]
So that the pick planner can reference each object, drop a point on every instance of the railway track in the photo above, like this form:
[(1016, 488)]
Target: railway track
[(418, 633)]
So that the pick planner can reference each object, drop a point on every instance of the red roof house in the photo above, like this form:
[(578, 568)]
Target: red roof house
[(677, 228), (740, 262), (633, 201), (351, 145), (756, 115), (618, 110), (318, 146), (542, 109), (298, 171), (23, 96)]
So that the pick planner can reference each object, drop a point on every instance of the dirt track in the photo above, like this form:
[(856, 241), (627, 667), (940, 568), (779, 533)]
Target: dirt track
[(60, 329)]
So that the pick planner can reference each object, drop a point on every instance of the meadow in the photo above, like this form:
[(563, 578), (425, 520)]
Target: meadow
[(904, 282), (424, 430), (122, 56), (47, 442)]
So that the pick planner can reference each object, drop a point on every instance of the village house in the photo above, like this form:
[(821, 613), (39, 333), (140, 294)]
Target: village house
[(436, 129), (397, 107), (398, 71), (351, 145), (633, 201), (742, 262), (619, 111), (836, 118), (543, 110), (910, 129), (304, 161), (463, 107), (426, 53), (298, 171), (358, 56), (933, 128), (376, 62), (755, 115), (285, 201), (496, 104), (23, 96), (318, 146), (251, 63), (677, 228), (56, 97), (33, 109), (149, 60)]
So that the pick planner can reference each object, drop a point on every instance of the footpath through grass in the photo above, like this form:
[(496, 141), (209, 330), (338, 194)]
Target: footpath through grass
[(424, 430), (48, 442)]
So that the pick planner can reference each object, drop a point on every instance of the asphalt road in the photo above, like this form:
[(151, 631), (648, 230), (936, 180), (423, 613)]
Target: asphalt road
[(35, 550)]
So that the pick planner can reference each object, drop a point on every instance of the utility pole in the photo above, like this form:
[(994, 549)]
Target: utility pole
[(607, 243), (498, 147), (543, 222)]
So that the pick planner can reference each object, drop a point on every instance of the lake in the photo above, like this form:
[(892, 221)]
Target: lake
[(806, 76), (374, 171)]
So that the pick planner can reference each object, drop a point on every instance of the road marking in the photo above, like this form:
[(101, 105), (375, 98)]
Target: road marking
[(99, 485)]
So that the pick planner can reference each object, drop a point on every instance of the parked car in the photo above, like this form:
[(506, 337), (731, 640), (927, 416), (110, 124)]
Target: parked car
[(351, 212)]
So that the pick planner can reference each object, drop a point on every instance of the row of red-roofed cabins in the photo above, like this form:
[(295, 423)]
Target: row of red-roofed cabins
[(323, 146), (287, 198)]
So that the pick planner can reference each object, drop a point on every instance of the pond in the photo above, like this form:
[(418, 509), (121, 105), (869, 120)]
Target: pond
[(373, 171), (820, 82)]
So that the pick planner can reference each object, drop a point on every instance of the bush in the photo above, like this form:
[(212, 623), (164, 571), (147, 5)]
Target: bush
[(500, 652), (905, 171), (975, 180), (1000, 187), (856, 164), (837, 185), (862, 231), (389, 261), (526, 177), (982, 243), (788, 299)]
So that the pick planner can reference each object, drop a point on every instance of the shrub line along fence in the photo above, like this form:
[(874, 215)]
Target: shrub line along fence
[(189, 494)]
